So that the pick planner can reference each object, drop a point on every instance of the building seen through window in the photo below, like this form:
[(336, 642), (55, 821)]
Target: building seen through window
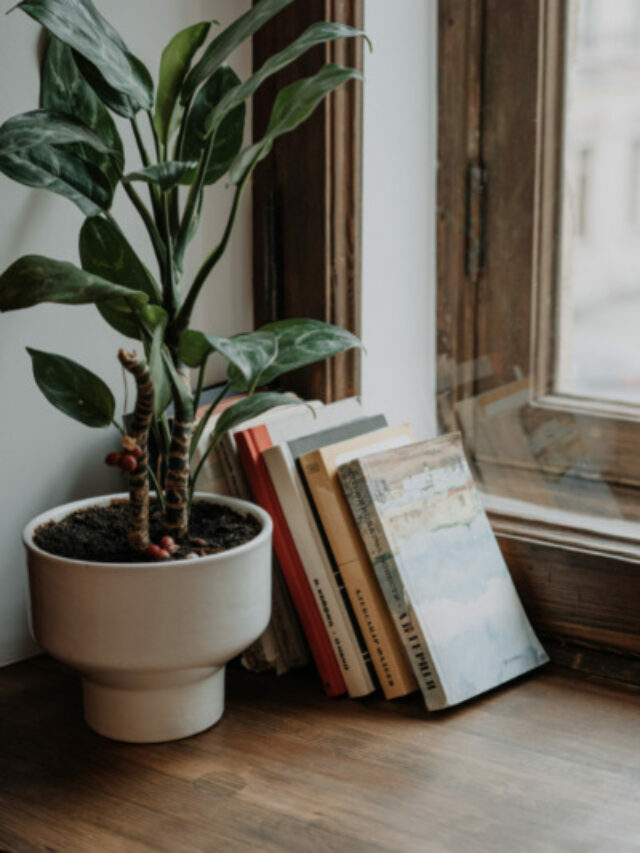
[(599, 352)]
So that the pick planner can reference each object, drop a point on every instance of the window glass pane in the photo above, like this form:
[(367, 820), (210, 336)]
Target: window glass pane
[(598, 352)]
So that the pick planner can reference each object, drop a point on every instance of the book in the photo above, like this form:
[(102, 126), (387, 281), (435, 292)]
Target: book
[(285, 635), (281, 646), (440, 568), (320, 470), (322, 572), (253, 441), (250, 444)]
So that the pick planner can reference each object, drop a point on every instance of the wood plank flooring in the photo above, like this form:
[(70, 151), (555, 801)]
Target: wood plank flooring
[(550, 763)]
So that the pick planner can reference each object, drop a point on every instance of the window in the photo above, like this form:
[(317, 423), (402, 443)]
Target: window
[(539, 302), (307, 196)]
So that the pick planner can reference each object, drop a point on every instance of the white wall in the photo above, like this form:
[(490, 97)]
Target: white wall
[(46, 458), (399, 203)]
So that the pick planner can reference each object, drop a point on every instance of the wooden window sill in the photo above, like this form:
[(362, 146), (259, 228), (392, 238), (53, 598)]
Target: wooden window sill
[(547, 763)]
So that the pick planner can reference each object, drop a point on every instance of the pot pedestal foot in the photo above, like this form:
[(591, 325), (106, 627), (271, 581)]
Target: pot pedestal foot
[(153, 707)]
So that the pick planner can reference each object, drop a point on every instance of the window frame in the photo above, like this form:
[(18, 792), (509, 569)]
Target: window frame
[(307, 197), (499, 112)]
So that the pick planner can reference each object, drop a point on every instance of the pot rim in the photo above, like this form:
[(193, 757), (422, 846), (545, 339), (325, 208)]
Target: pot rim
[(59, 512)]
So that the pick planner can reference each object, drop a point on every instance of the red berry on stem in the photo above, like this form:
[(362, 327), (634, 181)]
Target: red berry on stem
[(128, 463), (168, 543), (136, 451), (152, 551), (162, 554), (113, 458)]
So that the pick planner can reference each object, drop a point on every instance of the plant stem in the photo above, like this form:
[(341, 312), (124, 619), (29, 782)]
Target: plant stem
[(138, 535), (156, 141), (156, 487), (176, 515), (198, 391), (171, 295), (139, 142), (154, 234), (146, 161), (184, 314), (184, 231), (197, 435)]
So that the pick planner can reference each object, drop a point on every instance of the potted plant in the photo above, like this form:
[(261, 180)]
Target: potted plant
[(149, 595)]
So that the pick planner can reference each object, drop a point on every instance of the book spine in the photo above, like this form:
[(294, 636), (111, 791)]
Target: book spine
[(281, 646), (250, 444), (387, 652), (375, 541), (324, 584)]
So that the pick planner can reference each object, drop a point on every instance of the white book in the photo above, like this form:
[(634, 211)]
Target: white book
[(317, 566), (350, 653), (440, 569)]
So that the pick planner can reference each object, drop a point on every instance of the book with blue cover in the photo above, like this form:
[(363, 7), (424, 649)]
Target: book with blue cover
[(441, 570)]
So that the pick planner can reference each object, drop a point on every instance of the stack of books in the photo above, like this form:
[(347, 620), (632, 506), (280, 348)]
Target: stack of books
[(386, 571)]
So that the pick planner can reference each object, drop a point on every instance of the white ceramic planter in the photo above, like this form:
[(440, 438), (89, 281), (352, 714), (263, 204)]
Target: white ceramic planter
[(151, 640)]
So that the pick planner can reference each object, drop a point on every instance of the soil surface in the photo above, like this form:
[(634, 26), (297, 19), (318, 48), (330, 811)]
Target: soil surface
[(99, 534)]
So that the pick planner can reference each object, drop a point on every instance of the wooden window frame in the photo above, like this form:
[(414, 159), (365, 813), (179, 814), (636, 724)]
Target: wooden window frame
[(307, 198), (498, 213)]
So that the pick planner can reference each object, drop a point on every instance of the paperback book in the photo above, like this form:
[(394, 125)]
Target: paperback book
[(300, 550), (440, 568), (319, 468)]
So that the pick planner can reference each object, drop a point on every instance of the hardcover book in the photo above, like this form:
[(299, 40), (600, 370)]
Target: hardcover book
[(441, 570), (319, 468)]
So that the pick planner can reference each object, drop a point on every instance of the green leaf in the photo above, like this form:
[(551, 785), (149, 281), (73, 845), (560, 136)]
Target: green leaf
[(34, 279), (243, 27), (161, 382), (293, 105), (247, 408), (61, 172), (228, 138), (63, 88), (46, 127), (174, 65), (166, 175), (249, 354), (73, 389), (110, 97), (78, 24), (194, 348), (154, 315), (318, 33), (104, 251), (298, 342)]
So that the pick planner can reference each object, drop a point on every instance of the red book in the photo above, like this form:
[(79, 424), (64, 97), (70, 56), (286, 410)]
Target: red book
[(250, 443)]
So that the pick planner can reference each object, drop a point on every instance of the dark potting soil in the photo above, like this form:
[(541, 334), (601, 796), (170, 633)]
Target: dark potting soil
[(99, 534)]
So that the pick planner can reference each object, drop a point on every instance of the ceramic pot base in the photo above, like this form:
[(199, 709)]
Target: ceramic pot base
[(152, 708)]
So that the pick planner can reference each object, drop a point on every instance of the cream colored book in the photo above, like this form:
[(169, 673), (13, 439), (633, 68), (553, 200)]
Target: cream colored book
[(441, 570), (320, 470), (318, 569)]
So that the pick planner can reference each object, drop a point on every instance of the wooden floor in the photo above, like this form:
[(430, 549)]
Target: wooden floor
[(551, 763)]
